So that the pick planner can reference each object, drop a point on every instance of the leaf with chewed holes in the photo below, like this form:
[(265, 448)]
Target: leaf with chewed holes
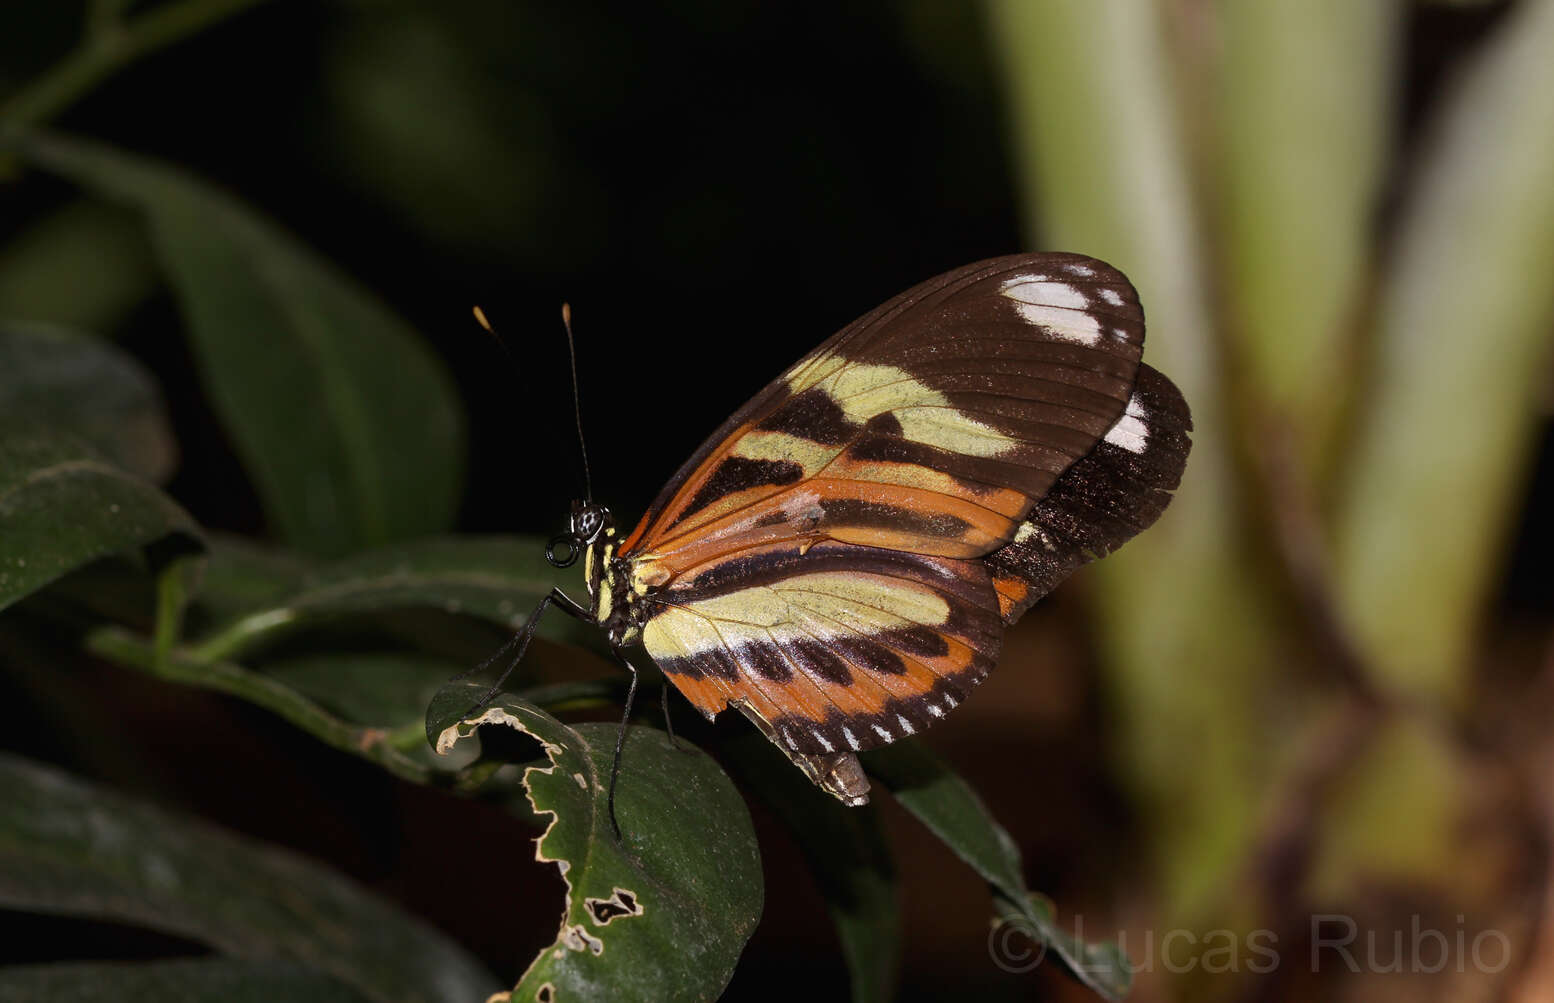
[(664, 912), (948, 806)]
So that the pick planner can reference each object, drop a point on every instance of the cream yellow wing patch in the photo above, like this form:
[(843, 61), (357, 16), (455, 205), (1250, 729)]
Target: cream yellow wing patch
[(840, 647), (864, 391)]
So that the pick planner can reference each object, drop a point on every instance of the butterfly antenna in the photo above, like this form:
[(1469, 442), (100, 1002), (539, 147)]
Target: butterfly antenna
[(485, 323), (577, 402), (577, 405)]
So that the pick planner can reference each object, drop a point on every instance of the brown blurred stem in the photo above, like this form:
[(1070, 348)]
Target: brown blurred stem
[(1287, 845), (1301, 548), (1525, 745), (110, 44)]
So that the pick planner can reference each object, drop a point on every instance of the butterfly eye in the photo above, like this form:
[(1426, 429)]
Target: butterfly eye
[(588, 521)]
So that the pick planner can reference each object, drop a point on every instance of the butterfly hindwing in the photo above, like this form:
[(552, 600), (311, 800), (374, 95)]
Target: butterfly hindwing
[(1119, 489), (836, 647)]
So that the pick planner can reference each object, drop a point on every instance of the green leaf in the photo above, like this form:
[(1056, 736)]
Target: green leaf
[(349, 426), (242, 576), (951, 810), (388, 689), (664, 912), (62, 506), (363, 681), (495, 578), (398, 748), (41, 268), (847, 854), (1103, 967), (217, 980), (83, 385), (70, 848)]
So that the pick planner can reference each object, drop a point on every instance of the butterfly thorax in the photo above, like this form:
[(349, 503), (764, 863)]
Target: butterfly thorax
[(617, 592)]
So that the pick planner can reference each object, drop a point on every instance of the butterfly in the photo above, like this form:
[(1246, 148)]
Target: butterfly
[(840, 559)]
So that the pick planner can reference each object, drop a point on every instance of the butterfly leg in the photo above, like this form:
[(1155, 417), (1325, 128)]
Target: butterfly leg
[(663, 693), (620, 738), (521, 641)]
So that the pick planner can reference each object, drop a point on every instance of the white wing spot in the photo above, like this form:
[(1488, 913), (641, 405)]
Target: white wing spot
[(906, 726), (824, 743), (1119, 334), (1029, 531), (950, 699), (1130, 432), (935, 710), (881, 732), (1056, 307), (1082, 270), (1112, 296), (851, 739)]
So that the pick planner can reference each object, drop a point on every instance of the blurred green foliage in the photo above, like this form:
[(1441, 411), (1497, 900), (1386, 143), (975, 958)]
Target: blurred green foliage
[(1364, 339)]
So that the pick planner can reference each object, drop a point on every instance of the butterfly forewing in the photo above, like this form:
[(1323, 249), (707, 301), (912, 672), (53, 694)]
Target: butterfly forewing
[(929, 425)]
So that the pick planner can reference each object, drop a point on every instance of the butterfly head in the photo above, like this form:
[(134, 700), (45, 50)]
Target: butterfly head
[(606, 574), (590, 521)]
